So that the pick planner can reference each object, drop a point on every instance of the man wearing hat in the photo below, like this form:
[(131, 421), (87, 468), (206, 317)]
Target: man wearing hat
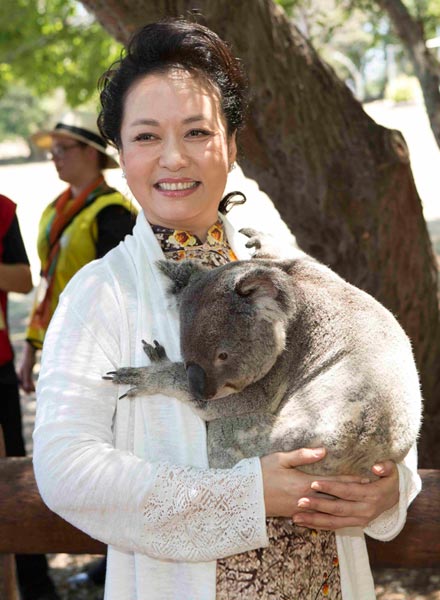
[(83, 223)]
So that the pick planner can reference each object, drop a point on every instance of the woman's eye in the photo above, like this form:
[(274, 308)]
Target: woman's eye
[(222, 356), (144, 137), (194, 133)]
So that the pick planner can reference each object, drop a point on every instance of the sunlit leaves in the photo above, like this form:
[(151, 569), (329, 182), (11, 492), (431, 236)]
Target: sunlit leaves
[(53, 43)]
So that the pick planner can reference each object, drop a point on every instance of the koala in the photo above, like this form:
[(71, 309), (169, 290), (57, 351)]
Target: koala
[(280, 354)]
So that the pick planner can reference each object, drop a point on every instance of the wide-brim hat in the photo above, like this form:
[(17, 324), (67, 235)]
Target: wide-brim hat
[(80, 126)]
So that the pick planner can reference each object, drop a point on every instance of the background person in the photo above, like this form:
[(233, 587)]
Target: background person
[(134, 472), (83, 223), (15, 276)]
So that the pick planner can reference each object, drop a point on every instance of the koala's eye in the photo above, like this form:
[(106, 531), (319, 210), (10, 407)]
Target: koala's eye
[(222, 356)]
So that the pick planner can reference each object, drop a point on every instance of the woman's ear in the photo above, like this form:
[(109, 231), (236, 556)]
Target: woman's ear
[(121, 161)]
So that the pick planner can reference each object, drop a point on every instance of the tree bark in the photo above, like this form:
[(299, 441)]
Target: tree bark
[(426, 66), (341, 182)]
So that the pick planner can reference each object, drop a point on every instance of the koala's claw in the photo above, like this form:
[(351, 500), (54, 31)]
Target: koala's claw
[(129, 393), (109, 375), (254, 237), (155, 353), (249, 232), (125, 376)]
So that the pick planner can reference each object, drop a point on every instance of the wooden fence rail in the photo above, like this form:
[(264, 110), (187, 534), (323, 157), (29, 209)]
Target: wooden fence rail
[(28, 526)]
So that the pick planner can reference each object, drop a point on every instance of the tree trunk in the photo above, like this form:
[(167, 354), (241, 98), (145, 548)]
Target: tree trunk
[(341, 182), (426, 67)]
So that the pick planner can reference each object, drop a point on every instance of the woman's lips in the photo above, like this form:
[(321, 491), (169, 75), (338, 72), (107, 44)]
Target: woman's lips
[(176, 188)]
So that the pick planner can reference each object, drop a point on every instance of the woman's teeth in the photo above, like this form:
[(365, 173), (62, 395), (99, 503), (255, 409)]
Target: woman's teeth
[(181, 185)]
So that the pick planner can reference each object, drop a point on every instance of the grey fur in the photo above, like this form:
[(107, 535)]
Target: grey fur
[(283, 354)]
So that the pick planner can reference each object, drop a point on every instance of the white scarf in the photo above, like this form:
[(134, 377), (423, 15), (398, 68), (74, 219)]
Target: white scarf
[(164, 431)]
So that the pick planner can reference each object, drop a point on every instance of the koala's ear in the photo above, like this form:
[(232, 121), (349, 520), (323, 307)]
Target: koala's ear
[(268, 288), (180, 273), (257, 283)]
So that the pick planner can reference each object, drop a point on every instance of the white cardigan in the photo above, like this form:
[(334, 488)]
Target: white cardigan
[(134, 473)]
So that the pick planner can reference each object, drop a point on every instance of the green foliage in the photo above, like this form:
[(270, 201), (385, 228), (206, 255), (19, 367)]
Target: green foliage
[(356, 38), (21, 113), (48, 44), (427, 13), (344, 36), (288, 5)]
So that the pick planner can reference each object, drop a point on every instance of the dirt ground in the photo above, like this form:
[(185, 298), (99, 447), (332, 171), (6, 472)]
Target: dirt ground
[(391, 584)]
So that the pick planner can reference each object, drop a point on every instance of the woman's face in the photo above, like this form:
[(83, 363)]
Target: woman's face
[(175, 150), (75, 162)]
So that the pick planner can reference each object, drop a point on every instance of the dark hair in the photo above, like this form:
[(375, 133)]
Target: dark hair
[(168, 44)]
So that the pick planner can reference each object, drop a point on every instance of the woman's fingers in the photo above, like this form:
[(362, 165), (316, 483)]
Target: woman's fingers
[(384, 469), (327, 522), (353, 491), (335, 504), (307, 456), (302, 456), (336, 507), (326, 513), (329, 502)]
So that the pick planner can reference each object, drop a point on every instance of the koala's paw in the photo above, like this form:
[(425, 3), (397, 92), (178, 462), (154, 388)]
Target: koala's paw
[(264, 244), (155, 353), (254, 237), (125, 376)]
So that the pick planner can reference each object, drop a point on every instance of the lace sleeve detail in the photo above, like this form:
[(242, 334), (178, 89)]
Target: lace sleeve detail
[(391, 522), (202, 515)]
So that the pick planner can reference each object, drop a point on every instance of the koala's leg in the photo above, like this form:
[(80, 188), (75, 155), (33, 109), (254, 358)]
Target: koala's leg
[(231, 439), (161, 377)]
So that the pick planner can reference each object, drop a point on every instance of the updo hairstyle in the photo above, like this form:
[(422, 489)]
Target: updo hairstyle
[(172, 44)]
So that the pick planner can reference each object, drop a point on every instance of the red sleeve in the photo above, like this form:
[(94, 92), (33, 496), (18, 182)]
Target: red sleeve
[(7, 213)]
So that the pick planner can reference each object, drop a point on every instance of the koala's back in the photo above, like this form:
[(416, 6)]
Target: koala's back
[(348, 377)]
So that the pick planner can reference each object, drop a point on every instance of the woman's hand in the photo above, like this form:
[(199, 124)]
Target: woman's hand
[(25, 371), (284, 485), (354, 505)]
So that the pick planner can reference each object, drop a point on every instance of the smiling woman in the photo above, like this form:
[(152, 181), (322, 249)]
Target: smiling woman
[(175, 150), (134, 473)]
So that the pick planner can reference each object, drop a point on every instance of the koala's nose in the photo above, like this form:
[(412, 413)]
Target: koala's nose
[(197, 380)]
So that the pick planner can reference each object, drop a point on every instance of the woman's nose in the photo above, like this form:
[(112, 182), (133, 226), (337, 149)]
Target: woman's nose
[(173, 155)]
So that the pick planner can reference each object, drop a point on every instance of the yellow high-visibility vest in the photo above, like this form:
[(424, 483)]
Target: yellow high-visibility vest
[(78, 247)]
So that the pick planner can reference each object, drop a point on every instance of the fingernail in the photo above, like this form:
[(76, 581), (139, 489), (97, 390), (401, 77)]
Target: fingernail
[(303, 503), (365, 481), (298, 520), (315, 486), (318, 451)]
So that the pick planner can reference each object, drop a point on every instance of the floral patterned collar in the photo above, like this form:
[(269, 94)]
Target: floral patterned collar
[(177, 245)]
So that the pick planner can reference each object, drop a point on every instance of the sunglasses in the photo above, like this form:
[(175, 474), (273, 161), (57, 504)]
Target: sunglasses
[(60, 151)]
